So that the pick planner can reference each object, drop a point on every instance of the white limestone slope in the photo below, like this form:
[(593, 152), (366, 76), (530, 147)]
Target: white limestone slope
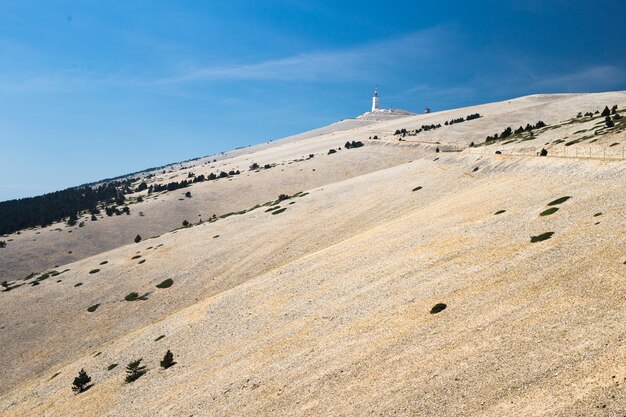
[(323, 309)]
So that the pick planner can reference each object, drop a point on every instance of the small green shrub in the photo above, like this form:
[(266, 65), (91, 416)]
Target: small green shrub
[(168, 360), (549, 211), (93, 308), (134, 371), (541, 237), (133, 296), (279, 211), (559, 201), (416, 188), (437, 308), (165, 284), (499, 212), (94, 271), (81, 382)]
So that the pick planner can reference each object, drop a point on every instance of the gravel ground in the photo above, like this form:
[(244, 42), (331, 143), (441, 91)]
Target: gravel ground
[(323, 309)]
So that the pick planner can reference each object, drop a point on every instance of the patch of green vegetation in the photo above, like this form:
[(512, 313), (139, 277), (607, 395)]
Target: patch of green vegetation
[(94, 271), (78, 284), (549, 211), (136, 257), (499, 212), (166, 284), (142, 261), (541, 237), (417, 188), (93, 308), (133, 296), (438, 308), (279, 211), (111, 367), (597, 214), (134, 371), (159, 338), (559, 201), (104, 262)]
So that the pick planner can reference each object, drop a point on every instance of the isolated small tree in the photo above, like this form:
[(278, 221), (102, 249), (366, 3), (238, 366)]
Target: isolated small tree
[(137, 239), (168, 360), (609, 122), (254, 166), (81, 382), (185, 223), (188, 194), (3, 244), (606, 111), (134, 371), (437, 150), (614, 109), (72, 220), (94, 218), (543, 152), (5, 284)]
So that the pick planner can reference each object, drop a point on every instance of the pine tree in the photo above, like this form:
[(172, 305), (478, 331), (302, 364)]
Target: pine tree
[(137, 239), (168, 360), (606, 111), (81, 381), (134, 371)]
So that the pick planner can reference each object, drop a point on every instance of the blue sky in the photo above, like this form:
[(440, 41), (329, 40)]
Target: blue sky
[(95, 89)]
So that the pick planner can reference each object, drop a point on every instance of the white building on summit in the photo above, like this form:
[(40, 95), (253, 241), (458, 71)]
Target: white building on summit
[(375, 104), (379, 113)]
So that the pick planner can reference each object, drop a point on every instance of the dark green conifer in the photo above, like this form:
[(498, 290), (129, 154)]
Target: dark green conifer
[(81, 382)]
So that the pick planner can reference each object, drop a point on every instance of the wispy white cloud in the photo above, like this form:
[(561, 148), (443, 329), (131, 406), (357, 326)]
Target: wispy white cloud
[(359, 62), (596, 76)]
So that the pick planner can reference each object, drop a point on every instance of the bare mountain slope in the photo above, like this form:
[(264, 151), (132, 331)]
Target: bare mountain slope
[(324, 308)]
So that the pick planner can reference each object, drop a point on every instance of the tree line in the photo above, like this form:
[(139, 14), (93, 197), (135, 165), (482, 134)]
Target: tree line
[(53, 207)]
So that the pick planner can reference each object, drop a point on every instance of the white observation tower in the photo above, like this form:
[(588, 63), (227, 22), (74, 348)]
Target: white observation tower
[(375, 105)]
